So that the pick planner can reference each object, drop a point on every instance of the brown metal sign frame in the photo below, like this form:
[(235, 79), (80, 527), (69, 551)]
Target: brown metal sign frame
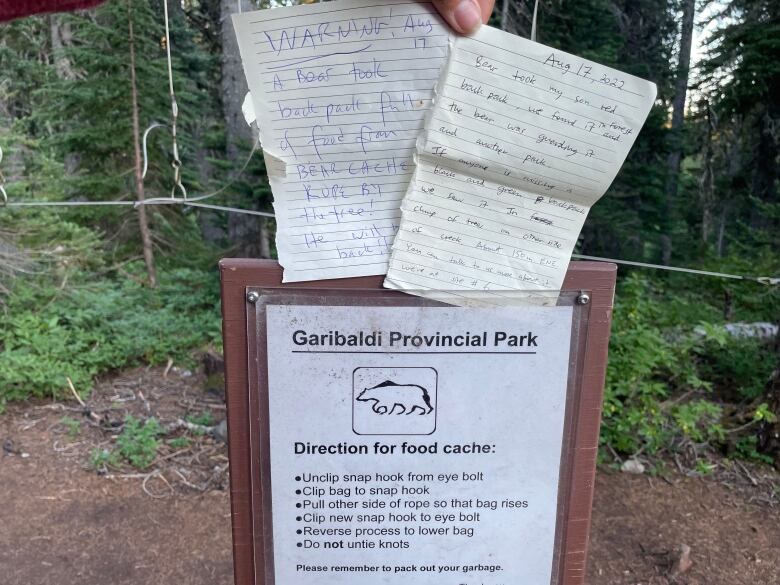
[(248, 431)]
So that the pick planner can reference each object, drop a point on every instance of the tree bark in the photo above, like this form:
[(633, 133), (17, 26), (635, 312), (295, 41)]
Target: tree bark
[(707, 178), (247, 233), (721, 241), (505, 15), (143, 222), (234, 86), (13, 165), (764, 181), (675, 135), (61, 37)]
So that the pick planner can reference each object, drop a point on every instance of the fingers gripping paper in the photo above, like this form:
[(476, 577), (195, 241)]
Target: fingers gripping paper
[(521, 142), (340, 90)]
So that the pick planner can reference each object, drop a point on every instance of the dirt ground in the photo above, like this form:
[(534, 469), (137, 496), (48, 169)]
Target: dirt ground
[(61, 522), (639, 524)]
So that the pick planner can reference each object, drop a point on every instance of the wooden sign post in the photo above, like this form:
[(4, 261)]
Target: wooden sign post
[(377, 437)]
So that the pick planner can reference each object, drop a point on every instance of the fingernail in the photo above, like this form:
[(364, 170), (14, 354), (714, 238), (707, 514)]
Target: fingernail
[(467, 16)]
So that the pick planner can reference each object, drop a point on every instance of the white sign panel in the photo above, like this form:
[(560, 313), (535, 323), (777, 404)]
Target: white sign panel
[(416, 445)]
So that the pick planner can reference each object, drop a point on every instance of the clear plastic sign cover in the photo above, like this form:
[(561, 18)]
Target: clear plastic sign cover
[(418, 444)]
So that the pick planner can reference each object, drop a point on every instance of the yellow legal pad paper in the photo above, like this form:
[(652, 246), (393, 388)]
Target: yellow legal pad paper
[(340, 90), (522, 140)]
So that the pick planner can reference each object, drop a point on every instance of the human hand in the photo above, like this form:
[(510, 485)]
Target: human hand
[(465, 16)]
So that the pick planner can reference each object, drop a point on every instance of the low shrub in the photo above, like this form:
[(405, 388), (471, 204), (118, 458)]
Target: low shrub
[(138, 443), (48, 335), (667, 383)]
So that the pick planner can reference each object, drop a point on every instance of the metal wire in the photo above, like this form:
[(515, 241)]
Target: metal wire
[(228, 209), (143, 146), (212, 193), (765, 280), (152, 201), (70, 203), (176, 162), (159, 201), (194, 202), (772, 281)]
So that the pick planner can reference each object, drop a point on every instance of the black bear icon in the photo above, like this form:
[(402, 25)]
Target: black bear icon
[(392, 398)]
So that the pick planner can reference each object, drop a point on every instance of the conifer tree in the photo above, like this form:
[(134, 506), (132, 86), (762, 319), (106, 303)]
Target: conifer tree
[(635, 36), (88, 115), (740, 81)]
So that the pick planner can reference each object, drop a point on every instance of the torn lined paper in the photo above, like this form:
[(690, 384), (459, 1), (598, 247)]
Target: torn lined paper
[(523, 139), (340, 90)]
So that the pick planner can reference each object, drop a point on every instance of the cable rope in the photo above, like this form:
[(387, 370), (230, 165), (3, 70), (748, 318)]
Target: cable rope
[(196, 201), (766, 280)]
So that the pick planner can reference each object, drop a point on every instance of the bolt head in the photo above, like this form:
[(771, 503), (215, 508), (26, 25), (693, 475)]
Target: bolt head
[(253, 297), (583, 299)]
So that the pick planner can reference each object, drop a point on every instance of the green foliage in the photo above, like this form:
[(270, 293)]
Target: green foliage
[(80, 311), (747, 448), (138, 443), (73, 426), (739, 64), (180, 442), (585, 28), (65, 116), (44, 242), (641, 363), (205, 418), (88, 111), (739, 109), (763, 413), (704, 467), (101, 459), (636, 36), (699, 420), (47, 334), (663, 382), (739, 370)]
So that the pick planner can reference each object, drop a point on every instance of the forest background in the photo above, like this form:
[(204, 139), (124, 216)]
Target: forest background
[(85, 291)]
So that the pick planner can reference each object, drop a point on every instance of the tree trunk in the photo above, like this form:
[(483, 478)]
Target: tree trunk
[(675, 134), (234, 86), (143, 222), (247, 233), (764, 181), (61, 37), (13, 164), (707, 178), (505, 15), (720, 246), (265, 239)]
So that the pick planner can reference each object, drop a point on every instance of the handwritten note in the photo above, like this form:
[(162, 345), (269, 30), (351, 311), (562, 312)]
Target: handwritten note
[(340, 90), (523, 139)]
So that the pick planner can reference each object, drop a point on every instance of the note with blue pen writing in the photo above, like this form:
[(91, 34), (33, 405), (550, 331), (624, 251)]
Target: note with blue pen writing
[(340, 90), (523, 139)]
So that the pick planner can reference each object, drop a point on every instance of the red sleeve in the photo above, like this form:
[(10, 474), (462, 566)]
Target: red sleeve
[(10, 9)]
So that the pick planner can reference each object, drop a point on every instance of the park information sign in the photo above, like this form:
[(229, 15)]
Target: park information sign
[(380, 438), (415, 445)]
